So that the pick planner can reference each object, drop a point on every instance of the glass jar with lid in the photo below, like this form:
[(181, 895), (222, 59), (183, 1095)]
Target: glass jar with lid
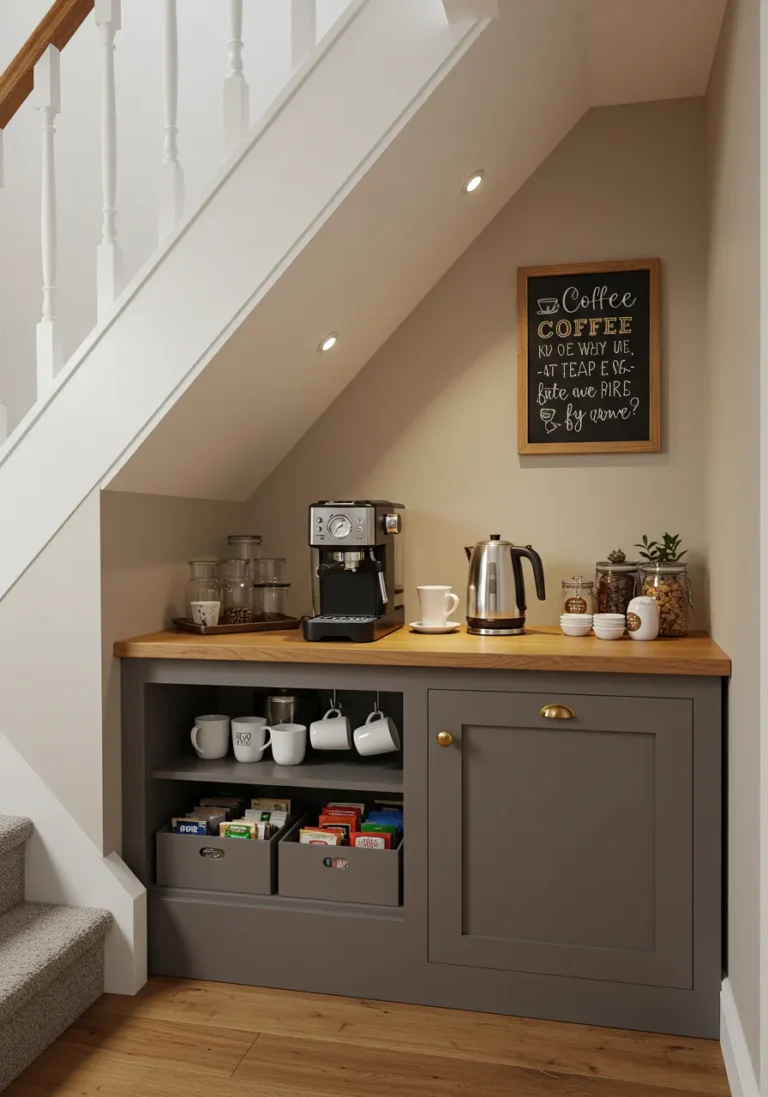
[(245, 546), (617, 582), (270, 599), (203, 584), (669, 584), (577, 595), (236, 592)]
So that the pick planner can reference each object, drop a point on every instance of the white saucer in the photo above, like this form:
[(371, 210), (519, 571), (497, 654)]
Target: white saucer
[(449, 626)]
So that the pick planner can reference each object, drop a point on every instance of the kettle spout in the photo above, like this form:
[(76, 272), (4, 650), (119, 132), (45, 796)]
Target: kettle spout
[(468, 552)]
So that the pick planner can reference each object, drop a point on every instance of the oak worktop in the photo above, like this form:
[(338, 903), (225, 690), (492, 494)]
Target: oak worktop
[(543, 648)]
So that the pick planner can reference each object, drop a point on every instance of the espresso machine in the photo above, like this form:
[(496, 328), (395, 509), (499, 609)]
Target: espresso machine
[(357, 570)]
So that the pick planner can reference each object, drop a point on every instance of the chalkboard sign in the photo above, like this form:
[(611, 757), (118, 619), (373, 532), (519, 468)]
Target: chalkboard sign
[(588, 369)]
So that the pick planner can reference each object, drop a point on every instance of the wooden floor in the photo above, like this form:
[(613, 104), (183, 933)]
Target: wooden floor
[(188, 1039)]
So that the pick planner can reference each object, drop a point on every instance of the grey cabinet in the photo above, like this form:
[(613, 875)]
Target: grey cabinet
[(562, 846)]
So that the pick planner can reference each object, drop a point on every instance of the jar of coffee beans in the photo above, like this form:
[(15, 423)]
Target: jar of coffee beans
[(669, 584), (236, 592), (616, 583)]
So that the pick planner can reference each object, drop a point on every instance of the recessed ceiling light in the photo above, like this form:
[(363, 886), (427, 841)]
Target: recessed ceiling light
[(473, 182), (329, 342)]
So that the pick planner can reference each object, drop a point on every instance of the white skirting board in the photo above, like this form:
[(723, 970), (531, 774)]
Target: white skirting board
[(738, 1063)]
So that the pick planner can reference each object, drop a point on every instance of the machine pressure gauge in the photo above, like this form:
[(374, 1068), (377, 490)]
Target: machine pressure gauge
[(339, 526)]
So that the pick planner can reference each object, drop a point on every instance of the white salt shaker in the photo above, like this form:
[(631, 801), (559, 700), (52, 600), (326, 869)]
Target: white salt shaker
[(643, 618)]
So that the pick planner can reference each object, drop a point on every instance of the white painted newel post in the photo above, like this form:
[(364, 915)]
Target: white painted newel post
[(303, 30), (172, 176), (236, 91), (47, 99), (108, 258), (3, 407)]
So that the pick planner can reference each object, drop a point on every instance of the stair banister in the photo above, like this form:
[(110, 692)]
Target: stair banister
[(236, 90), (172, 174), (108, 256), (47, 99)]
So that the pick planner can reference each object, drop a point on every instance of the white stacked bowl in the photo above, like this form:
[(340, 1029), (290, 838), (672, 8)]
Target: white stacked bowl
[(576, 624), (609, 626)]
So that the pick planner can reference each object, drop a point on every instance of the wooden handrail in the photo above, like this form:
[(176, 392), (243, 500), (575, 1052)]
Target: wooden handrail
[(54, 29)]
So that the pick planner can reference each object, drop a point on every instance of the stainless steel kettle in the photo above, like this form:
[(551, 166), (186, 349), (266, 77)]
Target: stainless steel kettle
[(496, 591)]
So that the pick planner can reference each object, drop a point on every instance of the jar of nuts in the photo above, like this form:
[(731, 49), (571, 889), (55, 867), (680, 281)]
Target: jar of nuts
[(669, 585), (236, 592), (616, 582)]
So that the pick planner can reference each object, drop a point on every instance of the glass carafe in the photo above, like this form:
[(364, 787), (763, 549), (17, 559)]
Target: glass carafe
[(270, 599), (203, 584), (236, 592)]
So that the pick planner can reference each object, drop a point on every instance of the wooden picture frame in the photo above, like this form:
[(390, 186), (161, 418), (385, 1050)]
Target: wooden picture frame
[(652, 443)]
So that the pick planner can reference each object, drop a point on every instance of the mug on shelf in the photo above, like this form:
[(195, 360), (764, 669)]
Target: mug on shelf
[(437, 605), (332, 732), (289, 744), (249, 738), (378, 735), (210, 736)]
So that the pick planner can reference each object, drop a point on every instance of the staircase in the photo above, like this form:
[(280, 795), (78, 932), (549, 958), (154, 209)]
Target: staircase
[(51, 959)]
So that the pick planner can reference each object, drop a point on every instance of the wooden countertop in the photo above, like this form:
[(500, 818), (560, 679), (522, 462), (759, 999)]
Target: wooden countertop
[(539, 649)]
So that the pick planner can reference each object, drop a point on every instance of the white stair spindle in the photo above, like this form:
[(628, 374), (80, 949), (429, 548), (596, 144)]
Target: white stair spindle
[(172, 175), (108, 257), (47, 99), (3, 408), (236, 91), (303, 30)]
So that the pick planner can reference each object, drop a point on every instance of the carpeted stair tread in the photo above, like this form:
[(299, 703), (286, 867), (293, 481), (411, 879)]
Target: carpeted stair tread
[(14, 830), (38, 942)]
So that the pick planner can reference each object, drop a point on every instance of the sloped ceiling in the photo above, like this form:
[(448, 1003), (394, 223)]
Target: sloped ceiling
[(504, 107)]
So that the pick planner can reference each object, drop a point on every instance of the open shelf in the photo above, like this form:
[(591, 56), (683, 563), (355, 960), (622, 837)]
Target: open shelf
[(333, 774)]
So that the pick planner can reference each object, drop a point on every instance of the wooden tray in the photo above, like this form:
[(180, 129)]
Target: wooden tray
[(186, 625)]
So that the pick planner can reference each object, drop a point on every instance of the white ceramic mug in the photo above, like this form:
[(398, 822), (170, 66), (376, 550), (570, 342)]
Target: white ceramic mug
[(289, 744), (378, 735), (206, 613), (437, 605), (249, 738), (333, 732), (210, 736)]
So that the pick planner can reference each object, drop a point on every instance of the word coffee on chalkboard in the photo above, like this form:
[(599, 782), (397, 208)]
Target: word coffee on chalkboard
[(588, 369)]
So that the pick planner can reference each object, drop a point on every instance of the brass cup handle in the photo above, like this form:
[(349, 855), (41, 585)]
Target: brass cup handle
[(444, 739), (557, 712)]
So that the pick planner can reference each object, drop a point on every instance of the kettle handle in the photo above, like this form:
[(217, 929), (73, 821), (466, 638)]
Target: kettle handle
[(517, 571), (536, 564)]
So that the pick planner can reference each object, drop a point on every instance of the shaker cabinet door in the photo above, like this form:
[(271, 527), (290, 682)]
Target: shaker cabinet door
[(562, 846)]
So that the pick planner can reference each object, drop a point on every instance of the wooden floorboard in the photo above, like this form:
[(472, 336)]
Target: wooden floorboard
[(182, 1038)]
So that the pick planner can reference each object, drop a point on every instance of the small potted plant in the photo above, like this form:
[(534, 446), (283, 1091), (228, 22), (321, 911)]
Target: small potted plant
[(665, 578)]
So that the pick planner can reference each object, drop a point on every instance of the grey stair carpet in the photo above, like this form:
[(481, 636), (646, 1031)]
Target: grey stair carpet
[(14, 832), (51, 960)]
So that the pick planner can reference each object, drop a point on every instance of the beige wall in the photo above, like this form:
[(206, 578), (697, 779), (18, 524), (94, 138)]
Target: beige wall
[(431, 419), (733, 109), (146, 541)]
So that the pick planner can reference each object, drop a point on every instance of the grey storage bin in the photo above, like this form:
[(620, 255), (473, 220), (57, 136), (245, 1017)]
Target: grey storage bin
[(218, 864), (341, 874)]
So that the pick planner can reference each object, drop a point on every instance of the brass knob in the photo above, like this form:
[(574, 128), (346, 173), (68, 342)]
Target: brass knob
[(557, 712), (444, 739)]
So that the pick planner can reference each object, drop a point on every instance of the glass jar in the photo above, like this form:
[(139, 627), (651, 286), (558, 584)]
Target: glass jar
[(270, 599), (616, 585), (236, 592), (203, 584), (577, 595), (245, 546), (670, 586), (268, 567)]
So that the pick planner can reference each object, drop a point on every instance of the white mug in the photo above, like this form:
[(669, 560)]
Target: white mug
[(289, 744), (378, 735), (437, 605), (206, 613), (210, 736), (333, 732), (249, 738)]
